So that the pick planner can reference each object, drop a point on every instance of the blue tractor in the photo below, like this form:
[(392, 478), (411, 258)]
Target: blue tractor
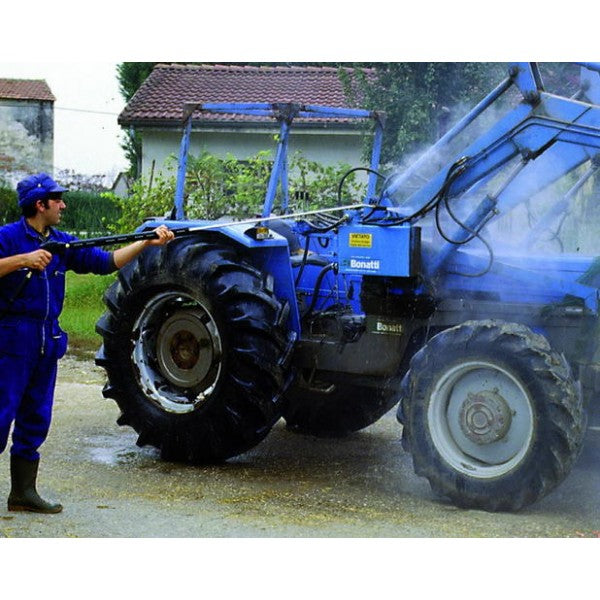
[(329, 318)]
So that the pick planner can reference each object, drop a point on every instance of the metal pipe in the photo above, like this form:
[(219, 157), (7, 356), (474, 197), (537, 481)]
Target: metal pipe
[(375, 157), (182, 168), (285, 187), (349, 113), (278, 167), (272, 109)]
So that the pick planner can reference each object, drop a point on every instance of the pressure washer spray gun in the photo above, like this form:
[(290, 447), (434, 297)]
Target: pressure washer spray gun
[(55, 247)]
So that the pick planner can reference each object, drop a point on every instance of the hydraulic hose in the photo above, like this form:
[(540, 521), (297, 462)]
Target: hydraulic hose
[(347, 173), (317, 287)]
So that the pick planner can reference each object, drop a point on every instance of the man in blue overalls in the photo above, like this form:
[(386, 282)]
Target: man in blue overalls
[(31, 341)]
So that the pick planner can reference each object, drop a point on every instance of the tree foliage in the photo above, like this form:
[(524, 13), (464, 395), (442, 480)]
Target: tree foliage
[(422, 100), (9, 207), (88, 214), (130, 76)]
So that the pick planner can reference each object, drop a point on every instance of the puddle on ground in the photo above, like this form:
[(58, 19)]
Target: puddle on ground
[(112, 451)]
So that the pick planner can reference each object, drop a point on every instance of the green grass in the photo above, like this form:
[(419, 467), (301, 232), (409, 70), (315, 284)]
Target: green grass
[(83, 307)]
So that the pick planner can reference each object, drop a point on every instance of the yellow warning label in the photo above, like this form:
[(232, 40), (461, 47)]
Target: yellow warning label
[(361, 240)]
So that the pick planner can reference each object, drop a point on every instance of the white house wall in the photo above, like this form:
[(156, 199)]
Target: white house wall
[(328, 148)]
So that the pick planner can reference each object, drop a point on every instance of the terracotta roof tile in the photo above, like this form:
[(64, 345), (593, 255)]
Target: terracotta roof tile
[(25, 89), (162, 96)]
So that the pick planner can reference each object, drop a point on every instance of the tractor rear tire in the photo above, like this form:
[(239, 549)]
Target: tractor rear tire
[(493, 417), (196, 350), (341, 408)]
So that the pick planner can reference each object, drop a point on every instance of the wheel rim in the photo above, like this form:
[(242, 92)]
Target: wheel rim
[(177, 352), (481, 419)]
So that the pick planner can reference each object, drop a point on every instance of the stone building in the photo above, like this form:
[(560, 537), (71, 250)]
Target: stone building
[(26, 126)]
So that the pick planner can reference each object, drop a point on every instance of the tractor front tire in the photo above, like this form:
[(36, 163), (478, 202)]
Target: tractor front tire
[(493, 416), (196, 350)]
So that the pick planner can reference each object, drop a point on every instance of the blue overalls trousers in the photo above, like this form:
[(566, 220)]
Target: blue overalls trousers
[(31, 341), (29, 351)]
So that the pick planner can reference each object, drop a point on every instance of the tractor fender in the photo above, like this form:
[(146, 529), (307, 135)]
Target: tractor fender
[(271, 256)]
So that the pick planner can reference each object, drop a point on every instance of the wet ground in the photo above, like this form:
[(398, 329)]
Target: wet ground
[(362, 486)]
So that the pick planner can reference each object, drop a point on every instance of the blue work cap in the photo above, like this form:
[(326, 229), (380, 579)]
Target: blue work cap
[(37, 187)]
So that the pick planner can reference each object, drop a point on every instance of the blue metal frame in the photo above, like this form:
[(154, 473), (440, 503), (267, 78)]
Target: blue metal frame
[(285, 113)]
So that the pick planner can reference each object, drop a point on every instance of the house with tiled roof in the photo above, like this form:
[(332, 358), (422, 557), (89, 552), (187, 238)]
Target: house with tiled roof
[(26, 126), (156, 112)]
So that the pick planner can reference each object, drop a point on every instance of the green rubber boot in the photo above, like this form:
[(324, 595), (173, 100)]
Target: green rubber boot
[(23, 495)]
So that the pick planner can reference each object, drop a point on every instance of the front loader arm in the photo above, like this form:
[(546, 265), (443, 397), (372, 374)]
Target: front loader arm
[(553, 136)]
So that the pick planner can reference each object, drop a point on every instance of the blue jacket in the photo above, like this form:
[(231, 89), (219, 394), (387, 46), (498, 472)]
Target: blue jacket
[(42, 298)]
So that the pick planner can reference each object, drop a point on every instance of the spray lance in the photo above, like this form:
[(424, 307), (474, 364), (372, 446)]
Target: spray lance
[(257, 232), (55, 247)]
